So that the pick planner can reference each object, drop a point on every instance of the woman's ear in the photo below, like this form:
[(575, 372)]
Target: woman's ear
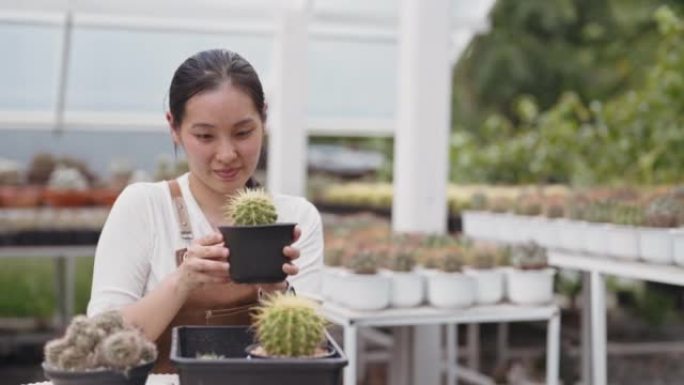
[(174, 132)]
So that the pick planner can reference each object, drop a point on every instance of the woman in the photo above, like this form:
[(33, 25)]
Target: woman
[(160, 259)]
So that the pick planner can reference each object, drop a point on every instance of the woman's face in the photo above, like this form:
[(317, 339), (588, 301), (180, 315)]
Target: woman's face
[(221, 134)]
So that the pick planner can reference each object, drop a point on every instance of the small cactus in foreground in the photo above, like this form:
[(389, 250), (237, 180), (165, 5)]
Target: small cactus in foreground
[(103, 341), (250, 207), (289, 326)]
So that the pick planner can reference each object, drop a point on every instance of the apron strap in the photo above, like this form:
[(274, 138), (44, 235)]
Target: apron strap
[(180, 209)]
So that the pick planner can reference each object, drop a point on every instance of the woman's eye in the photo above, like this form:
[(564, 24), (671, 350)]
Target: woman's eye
[(243, 133), (203, 136)]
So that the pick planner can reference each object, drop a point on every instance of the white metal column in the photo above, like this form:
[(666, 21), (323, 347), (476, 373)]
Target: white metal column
[(287, 140), (598, 328), (421, 145)]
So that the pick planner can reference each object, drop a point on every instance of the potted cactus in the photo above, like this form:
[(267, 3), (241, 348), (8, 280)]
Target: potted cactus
[(483, 263), (597, 217), (572, 231), (331, 271), (362, 286), (661, 215), (448, 287), (288, 344), (623, 235), (407, 286), (99, 350), (475, 220), (256, 241), (289, 326), (67, 187), (530, 280)]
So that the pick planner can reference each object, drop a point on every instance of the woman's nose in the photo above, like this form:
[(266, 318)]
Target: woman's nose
[(226, 151)]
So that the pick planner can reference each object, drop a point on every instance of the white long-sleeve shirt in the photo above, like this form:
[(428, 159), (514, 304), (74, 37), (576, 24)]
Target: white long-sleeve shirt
[(138, 242)]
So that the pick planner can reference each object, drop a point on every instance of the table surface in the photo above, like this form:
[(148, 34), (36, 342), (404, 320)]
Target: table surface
[(672, 274), (423, 315), (153, 379)]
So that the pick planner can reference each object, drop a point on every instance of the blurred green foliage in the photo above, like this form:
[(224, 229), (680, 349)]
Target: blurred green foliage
[(597, 91), (28, 287)]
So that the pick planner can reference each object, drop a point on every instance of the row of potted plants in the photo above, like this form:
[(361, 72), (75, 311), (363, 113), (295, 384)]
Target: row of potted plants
[(631, 227), (378, 196), (444, 272)]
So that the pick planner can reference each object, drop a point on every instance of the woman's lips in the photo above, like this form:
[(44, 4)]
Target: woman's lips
[(227, 174)]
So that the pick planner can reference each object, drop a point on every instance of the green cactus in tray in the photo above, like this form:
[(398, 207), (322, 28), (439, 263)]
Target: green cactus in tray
[(250, 207), (289, 326)]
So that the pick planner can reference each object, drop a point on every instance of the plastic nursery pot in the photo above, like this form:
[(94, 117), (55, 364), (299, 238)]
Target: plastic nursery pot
[(256, 252), (135, 376), (229, 363)]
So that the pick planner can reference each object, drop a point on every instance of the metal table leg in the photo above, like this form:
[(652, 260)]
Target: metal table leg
[(451, 353), (350, 335), (598, 328), (553, 349)]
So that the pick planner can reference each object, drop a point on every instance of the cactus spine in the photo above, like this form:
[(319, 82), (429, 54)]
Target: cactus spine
[(250, 207), (289, 326)]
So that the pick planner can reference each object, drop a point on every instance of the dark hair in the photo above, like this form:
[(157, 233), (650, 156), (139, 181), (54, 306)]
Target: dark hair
[(206, 70)]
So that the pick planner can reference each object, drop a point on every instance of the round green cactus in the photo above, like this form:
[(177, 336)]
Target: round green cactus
[(289, 326), (250, 207)]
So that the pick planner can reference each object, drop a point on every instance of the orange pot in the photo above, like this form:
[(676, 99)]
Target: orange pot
[(66, 198), (20, 196)]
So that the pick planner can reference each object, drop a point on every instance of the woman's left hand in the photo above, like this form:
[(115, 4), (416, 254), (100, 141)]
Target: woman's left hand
[(289, 268)]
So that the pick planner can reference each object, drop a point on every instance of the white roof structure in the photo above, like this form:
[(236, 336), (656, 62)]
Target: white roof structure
[(330, 67)]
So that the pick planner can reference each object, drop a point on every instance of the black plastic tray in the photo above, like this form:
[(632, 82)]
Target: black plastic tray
[(234, 367)]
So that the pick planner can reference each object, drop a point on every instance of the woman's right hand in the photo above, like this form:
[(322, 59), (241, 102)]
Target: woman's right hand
[(204, 262)]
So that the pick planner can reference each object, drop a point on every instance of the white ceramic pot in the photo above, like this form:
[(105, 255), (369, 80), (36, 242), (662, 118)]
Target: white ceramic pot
[(407, 289), (489, 283), (678, 246), (363, 291), (549, 234), (504, 228), (571, 234), (596, 239), (450, 290), (623, 242), (476, 224), (655, 245), (530, 287)]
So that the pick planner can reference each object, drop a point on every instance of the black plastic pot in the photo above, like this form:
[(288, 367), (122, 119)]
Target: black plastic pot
[(234, 367), (135, 376), (256, 252)]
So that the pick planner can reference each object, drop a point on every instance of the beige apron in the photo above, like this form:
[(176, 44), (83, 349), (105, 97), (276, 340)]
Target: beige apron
[(211, 304)]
